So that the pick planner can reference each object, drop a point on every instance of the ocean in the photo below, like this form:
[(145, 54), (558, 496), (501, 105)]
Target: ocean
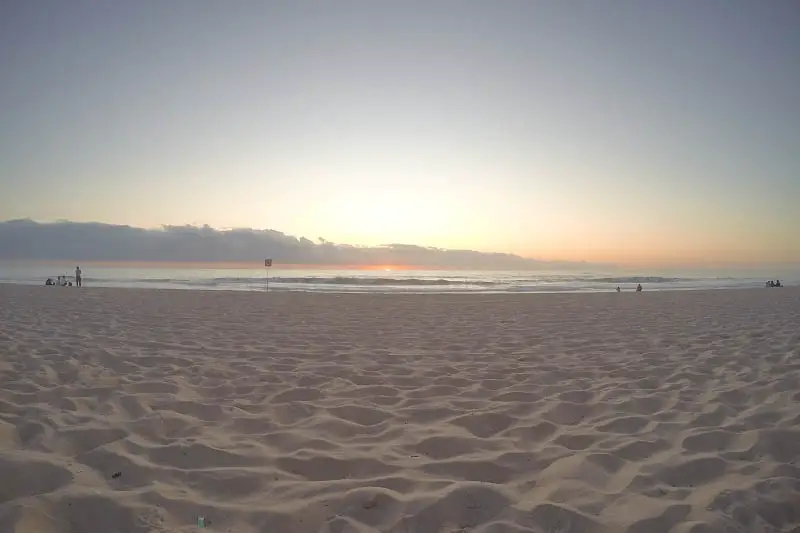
[(382, 281)]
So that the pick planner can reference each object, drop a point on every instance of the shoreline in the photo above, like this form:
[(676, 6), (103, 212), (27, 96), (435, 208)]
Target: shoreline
[(404, 292)]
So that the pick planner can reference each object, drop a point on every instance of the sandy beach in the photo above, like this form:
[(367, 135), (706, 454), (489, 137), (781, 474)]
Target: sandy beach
[(127, 411)]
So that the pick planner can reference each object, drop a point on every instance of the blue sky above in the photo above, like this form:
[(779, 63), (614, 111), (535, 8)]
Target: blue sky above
[(610, 131)]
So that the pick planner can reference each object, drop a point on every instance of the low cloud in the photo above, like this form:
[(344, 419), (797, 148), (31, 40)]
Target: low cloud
[(30, 240)]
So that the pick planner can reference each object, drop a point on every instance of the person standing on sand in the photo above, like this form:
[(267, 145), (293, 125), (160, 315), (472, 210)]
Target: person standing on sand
[(78, 278)]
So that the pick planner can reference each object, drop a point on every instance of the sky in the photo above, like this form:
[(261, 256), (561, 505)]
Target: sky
[(633, 132)]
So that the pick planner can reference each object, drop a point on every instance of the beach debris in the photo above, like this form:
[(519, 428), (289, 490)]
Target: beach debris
[(115, 475), (370, 503)]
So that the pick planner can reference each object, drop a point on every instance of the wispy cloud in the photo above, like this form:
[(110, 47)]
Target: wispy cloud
[(31, 240)]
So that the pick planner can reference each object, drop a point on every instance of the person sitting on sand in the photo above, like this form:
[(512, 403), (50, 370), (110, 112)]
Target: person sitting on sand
[(49, 281), (778, 283), (639, 288)]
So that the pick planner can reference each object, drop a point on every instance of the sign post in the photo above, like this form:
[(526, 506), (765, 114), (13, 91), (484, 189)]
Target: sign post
[(267, 264)]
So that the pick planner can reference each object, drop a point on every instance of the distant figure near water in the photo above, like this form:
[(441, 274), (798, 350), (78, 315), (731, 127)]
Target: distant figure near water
[(639, 288), (776, 283), (618, 289), (78, 278)]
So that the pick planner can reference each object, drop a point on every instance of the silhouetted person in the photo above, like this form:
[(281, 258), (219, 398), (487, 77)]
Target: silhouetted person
[(78, 279), (49, 281), (639, 288), (618, 289), (778, 283)]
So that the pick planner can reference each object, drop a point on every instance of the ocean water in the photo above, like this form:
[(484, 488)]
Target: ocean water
[(384, 281)]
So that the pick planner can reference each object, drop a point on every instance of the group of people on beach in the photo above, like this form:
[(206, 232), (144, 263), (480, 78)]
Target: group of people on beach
[(776, 283), (638, 288), (61, 281)]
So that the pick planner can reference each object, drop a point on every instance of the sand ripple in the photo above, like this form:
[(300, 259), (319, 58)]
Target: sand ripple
[(138, 411)]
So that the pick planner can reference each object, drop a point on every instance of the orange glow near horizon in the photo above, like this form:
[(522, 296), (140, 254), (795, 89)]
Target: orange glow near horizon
[(667, 258), (385, 268)]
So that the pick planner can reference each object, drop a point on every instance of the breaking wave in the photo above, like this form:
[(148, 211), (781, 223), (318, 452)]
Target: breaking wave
[(342, 280), (402, 282), (366, 281), (639, 279)]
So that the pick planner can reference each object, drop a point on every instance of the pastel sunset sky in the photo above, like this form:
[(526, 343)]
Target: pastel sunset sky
[(621, 131)]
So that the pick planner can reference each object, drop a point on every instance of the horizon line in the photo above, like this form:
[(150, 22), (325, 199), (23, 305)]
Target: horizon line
[(259, 265)]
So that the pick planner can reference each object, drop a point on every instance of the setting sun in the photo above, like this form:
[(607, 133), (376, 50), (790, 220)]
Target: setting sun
[(385, 268)]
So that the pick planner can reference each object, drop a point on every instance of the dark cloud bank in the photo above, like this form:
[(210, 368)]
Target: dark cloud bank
[(27, 239)]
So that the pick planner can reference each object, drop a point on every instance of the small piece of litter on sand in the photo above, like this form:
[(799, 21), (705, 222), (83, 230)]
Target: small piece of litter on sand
[(369, 504)]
